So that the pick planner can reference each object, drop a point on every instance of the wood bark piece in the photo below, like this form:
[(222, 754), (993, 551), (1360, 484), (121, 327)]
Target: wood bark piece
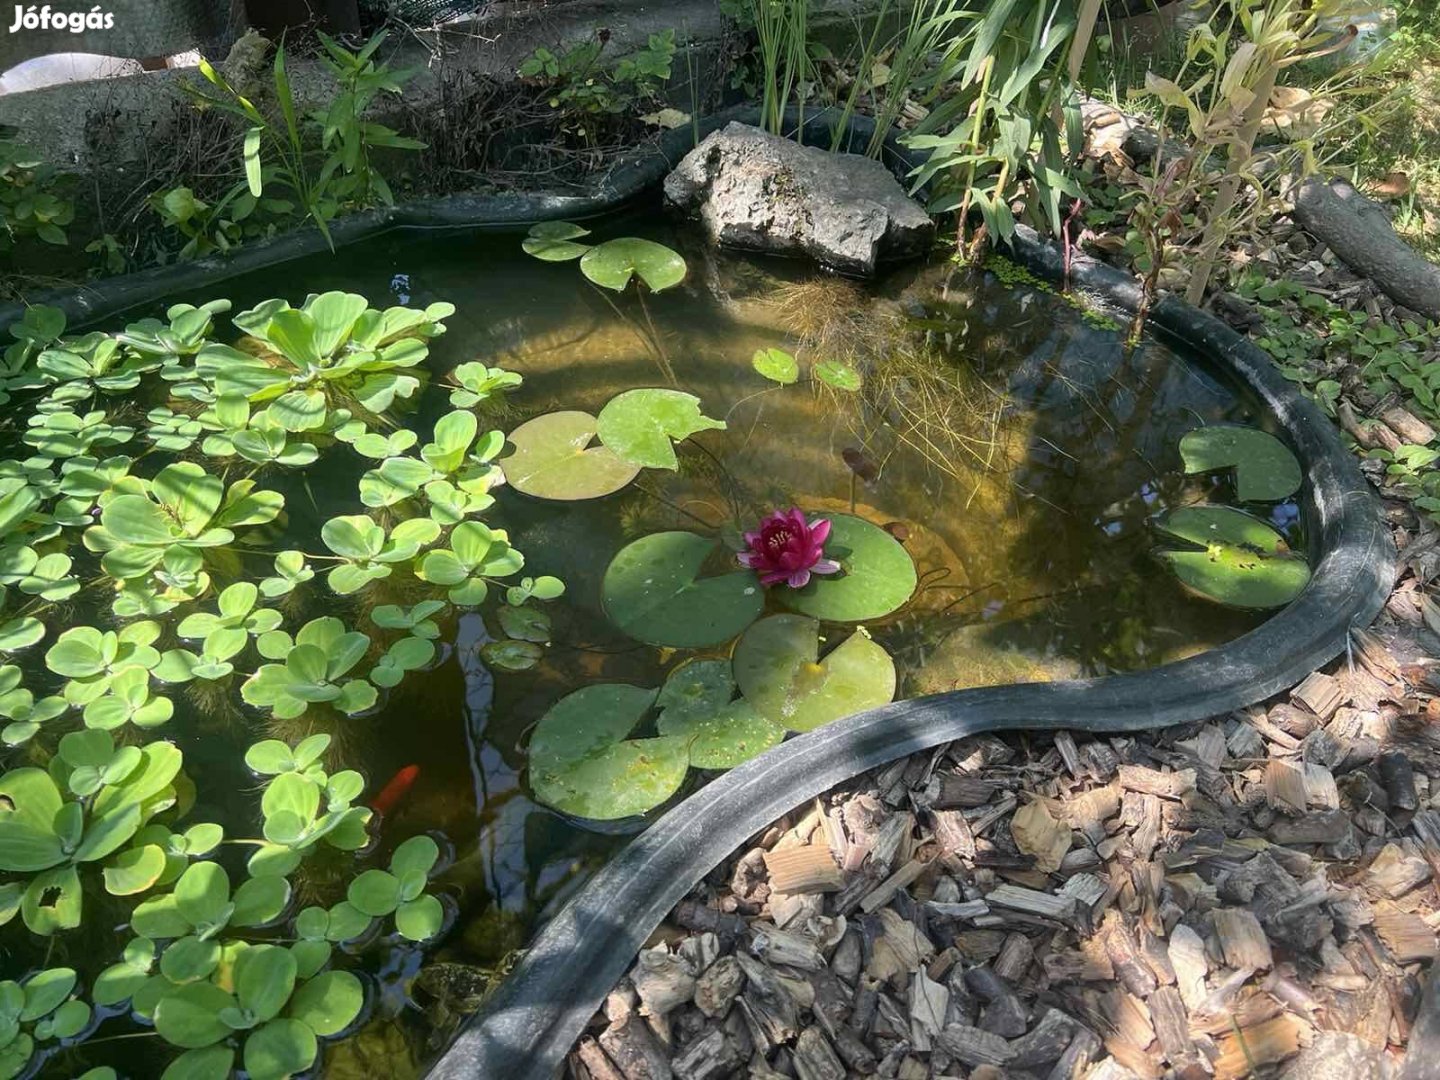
[(1285, 788), (718, 986), (1242, 939), (815, 1058), (1169, 785), (1043, 1043), (596, 1063), (635, 1051), (713, 1057), (806, 868), (1258, 1045), (1407, 936), (1187, 957), (1320, 693), (974, 1046), (1031, 901), (957, 792), (1361, 235)]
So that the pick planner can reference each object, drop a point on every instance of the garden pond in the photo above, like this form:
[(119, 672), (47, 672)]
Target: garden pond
[(401, 620)]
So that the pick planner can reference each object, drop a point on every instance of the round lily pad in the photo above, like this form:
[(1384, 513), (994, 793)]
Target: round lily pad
[(613, 263), (1265, 469), (639, 425), (553, 459), (696, 705), (839, 375), (876, 575), (777, 365), (779, 671), (554, 241), (652, 590), (581, 762), (1243, 562)]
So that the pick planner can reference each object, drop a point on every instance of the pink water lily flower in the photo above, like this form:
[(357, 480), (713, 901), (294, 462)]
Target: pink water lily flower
[(788, 548)]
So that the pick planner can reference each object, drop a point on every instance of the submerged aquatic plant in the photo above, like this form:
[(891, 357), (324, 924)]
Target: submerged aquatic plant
[(788, 548)]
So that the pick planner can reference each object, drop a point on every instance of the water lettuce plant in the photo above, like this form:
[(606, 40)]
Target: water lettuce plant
[(141, 575)]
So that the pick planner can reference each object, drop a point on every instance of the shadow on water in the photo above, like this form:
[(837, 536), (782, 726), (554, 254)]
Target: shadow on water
[(1018, 451)]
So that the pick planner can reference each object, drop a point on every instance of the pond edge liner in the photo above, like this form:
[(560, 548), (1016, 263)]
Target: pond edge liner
[(526, 1027)]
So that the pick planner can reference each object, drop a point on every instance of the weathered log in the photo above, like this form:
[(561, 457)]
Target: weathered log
[(1361, 235)]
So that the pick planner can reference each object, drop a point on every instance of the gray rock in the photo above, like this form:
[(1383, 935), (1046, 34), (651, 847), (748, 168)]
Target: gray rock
[(760, 192), (1335, 1055)]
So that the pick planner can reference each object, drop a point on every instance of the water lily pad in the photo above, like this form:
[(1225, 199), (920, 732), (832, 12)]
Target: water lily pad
[(652, 590), (613, 263), (839, 375), (582, 763), (1243, 562), (876, 575), (1265, 469), (639, 425), (779, 671), (553, 241), (554, 459), (696, 705), (777, 365)]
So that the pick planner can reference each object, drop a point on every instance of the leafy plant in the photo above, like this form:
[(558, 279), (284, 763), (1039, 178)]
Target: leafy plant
[(278, 152), (998, 97), (45, 834), (29, 204), (612, 264), (312, 670), (36, 1010), (586, 94)]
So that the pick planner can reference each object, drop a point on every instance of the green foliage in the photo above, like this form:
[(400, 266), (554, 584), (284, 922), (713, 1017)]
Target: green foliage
[(779, 670), (587, 95), (552, 458), (30, 206), (36, 1010), (877, 575), (991, 134), (654, 592), (1264, 468), (612, 264), (1233, 558), (777, 365), (279, 153), (169, 586), (640, 425)]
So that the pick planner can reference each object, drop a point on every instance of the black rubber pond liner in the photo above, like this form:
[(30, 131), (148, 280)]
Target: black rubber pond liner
[(524, 1030)]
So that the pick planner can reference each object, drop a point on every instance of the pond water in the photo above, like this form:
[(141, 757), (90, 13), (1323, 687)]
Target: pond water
[(1015, 449)]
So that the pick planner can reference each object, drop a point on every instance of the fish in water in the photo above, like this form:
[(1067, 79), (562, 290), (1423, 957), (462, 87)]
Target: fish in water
[(391, 794), (862, 466), (898, 529)]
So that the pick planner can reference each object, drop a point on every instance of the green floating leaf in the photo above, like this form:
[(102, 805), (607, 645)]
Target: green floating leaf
[(1265, 469), (777, 670), (777, 365), (696, 706), (638, 425), (582, 763), (839, 375), (553, 459), (612, 264), (876, 575), (553, 241), (1243, 562), (652, 590)]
